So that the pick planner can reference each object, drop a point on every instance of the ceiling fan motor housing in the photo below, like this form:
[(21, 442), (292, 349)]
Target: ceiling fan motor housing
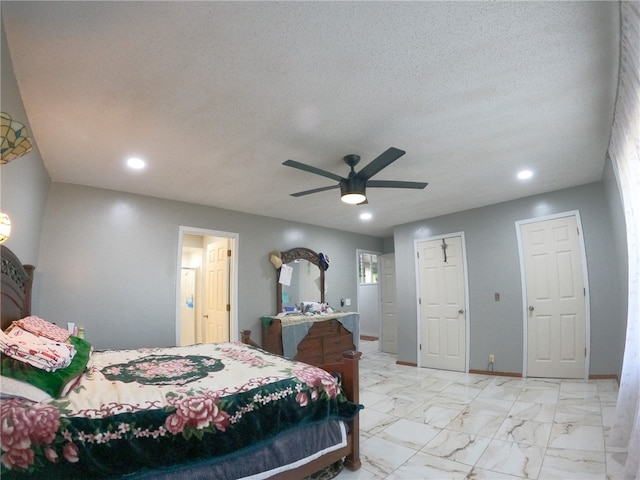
[(354, 184)]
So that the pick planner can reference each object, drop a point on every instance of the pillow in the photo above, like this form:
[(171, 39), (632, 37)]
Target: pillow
[(58, 383), (10, 387)]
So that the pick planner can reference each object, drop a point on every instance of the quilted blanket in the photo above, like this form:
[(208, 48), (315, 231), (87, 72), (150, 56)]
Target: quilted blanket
[(141, 409)]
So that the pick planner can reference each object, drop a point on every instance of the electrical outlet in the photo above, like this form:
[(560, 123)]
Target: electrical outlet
[(492, 358)]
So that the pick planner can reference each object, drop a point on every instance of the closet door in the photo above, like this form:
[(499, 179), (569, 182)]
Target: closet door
[(442, 297), (555, 298)]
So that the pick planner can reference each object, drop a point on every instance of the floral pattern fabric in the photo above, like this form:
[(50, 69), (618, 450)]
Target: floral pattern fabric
[(124, 417), (163, 369)]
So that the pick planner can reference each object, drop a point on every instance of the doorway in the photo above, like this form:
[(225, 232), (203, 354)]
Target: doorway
[(555, 297), (369, 294), (206, 291), (442, 303)]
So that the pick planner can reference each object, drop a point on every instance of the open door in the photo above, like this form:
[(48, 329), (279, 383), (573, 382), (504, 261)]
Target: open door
[(217, 301)]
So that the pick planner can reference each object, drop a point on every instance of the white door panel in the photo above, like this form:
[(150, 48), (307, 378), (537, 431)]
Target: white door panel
[(453, 334)]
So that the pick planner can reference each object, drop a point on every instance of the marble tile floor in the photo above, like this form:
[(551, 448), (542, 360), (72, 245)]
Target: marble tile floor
[(434, 424)]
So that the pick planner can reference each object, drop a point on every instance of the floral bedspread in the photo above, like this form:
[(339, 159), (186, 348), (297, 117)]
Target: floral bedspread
[(149, 408)]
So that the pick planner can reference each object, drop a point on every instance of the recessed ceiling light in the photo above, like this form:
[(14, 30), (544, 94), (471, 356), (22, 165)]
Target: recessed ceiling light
[(136, 163), (365, 216), (525, 174)]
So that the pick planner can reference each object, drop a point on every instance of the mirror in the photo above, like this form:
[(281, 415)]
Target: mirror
[(307, 279)]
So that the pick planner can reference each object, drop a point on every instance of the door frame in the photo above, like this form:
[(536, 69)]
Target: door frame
[(465, 273), (523, 283), (234, 244)]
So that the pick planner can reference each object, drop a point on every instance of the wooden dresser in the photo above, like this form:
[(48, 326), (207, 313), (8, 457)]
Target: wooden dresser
[(324, 342)]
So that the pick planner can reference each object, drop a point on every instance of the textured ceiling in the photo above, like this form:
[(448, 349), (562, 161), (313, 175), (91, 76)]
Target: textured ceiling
[(216, 95)]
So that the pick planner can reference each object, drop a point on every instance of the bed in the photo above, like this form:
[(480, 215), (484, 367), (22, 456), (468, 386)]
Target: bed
[(218, 411)]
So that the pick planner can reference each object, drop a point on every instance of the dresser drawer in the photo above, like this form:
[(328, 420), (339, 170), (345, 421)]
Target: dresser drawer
[(309, 347), (321, 329), (337, 344)]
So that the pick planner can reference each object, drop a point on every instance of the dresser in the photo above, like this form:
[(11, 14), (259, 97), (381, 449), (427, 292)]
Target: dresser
[(316, 339)]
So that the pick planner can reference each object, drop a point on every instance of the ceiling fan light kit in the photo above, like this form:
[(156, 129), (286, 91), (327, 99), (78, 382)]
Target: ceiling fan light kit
[(353, 187), (353, 198), (353, 191)]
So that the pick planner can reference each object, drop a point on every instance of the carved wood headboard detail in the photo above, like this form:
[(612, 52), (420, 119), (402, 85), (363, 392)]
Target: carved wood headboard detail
[(15, 289)]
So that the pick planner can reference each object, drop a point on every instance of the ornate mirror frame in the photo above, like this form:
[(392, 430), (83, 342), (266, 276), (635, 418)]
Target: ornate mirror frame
[(299, 253)]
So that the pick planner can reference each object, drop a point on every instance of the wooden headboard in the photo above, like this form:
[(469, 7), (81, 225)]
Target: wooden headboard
[(15, 289)]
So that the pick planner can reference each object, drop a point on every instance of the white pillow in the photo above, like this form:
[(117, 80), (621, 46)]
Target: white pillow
[(10, 387)]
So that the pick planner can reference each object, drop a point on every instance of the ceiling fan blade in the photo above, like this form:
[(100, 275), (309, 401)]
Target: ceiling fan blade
[(315, 190), (309, 168), (384, 160), (395, 184)]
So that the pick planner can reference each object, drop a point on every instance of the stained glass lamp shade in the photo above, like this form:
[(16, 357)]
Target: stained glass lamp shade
[(15, 141)]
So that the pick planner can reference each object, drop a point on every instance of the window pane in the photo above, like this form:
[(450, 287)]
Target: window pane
[(367, 268)]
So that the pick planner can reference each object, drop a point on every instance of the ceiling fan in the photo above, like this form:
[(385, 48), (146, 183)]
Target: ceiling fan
[(353, 187)]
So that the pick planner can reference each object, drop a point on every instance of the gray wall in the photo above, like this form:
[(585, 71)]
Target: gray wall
[(108, 261), (619, 233), (493, 266), (25, 181), (388, 245)]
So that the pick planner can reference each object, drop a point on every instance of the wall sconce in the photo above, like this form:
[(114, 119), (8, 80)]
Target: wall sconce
[(5, 227), (14, 141)]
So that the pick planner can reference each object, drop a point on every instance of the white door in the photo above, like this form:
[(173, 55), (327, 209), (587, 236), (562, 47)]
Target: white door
[(441, 301), (217, 292), (555, 298), (389, 342)]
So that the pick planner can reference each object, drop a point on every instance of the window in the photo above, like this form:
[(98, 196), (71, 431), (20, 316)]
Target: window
[(367, 268)]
